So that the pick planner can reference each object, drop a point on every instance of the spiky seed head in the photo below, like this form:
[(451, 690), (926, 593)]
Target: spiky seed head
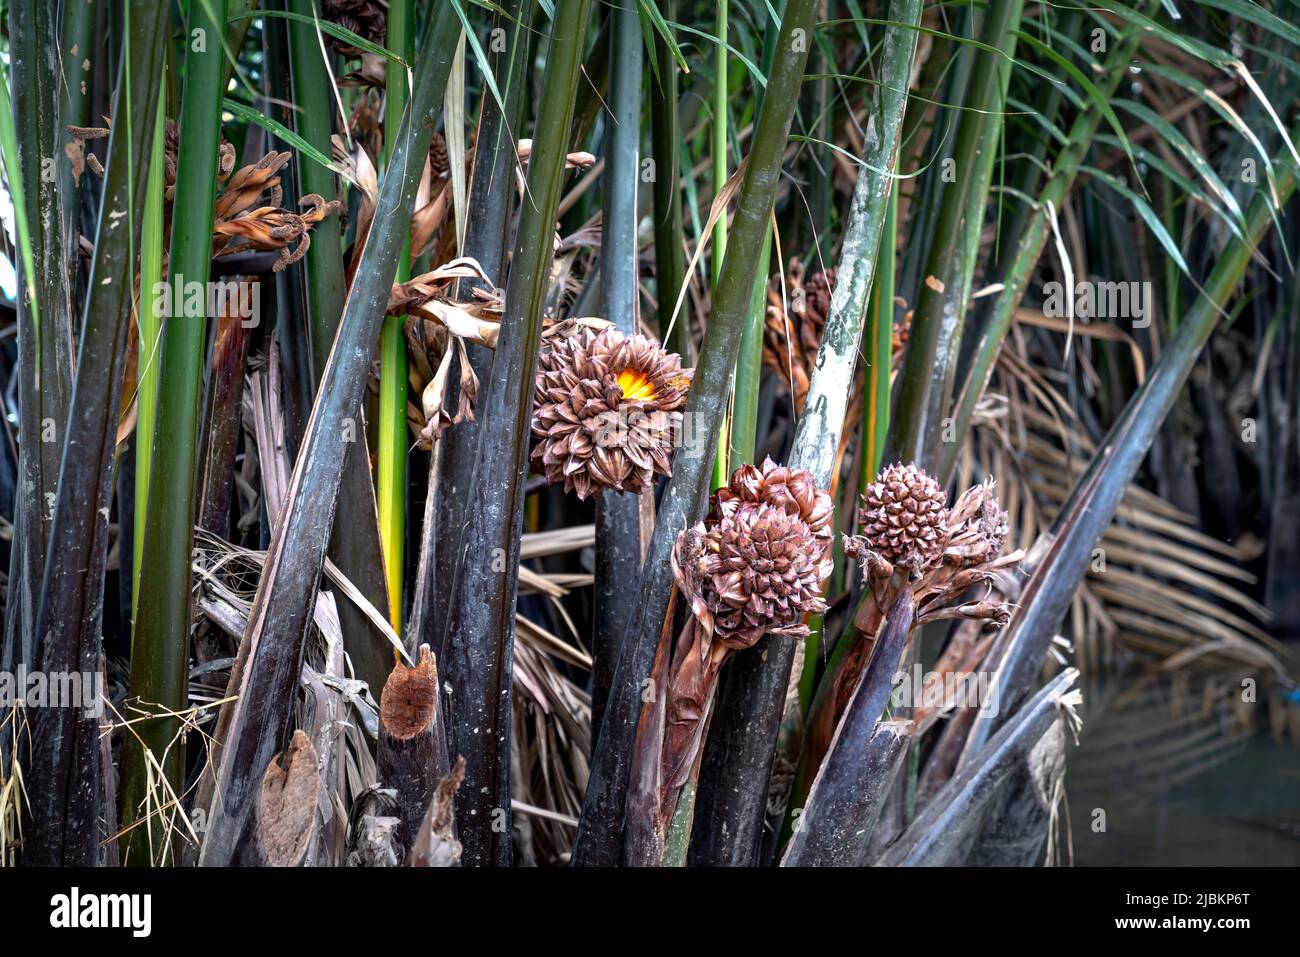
[(606, 411), (817, 299), (760, 560), (439, 158), (903, 516)]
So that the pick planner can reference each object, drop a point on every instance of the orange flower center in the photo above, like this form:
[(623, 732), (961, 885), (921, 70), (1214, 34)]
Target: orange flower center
[(636, 386)]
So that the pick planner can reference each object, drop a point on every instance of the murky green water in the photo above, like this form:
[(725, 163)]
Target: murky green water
[(1178, 773)]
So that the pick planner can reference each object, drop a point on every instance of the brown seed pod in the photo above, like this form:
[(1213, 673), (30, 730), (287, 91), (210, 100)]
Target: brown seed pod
[(903, 516)]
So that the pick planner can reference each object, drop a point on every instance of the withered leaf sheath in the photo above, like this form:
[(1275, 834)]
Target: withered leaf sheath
[(607, 411), (903, 517)]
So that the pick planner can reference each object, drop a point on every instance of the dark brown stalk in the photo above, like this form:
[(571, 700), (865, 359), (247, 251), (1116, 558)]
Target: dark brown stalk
[(599, 838), (62, 771), (267, 670), (487, 235), (618, 514), (412, 752), (225, 395), (354, 544), (834, 828), (943, 832), (45, 323), (851, 784), (479, 629)]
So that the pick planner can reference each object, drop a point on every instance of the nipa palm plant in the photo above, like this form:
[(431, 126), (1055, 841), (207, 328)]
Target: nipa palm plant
[(475, 529)]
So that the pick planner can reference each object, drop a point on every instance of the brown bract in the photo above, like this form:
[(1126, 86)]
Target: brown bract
[(271, 228), (606, 412)]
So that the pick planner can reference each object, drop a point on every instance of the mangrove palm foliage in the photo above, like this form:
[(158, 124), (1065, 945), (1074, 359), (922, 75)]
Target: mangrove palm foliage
[(637, 432)]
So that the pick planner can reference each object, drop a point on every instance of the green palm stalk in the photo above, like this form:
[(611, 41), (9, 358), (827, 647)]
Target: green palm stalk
[(880, 350), (1027, 244), (718, 239), (670, 258), (914, 430), (148, 327), (160, 652), (390, 483)]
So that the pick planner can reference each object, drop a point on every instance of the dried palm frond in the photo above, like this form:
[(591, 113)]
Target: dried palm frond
[(12, 792), (1157, 585)]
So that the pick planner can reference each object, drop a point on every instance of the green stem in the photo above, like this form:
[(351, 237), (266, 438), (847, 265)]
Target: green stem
[(914, 426), (148, 326), (718, 240), (670, 257), (160, 655), (390, 485), (749, 365), (678, 841), (880, 343)]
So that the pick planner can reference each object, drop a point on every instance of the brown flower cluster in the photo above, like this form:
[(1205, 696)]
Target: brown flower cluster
[(366, 18), (759, 561), (756, 565), (606, 411), (911, 543), (940, 552), (797, 310), (241, 224)]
